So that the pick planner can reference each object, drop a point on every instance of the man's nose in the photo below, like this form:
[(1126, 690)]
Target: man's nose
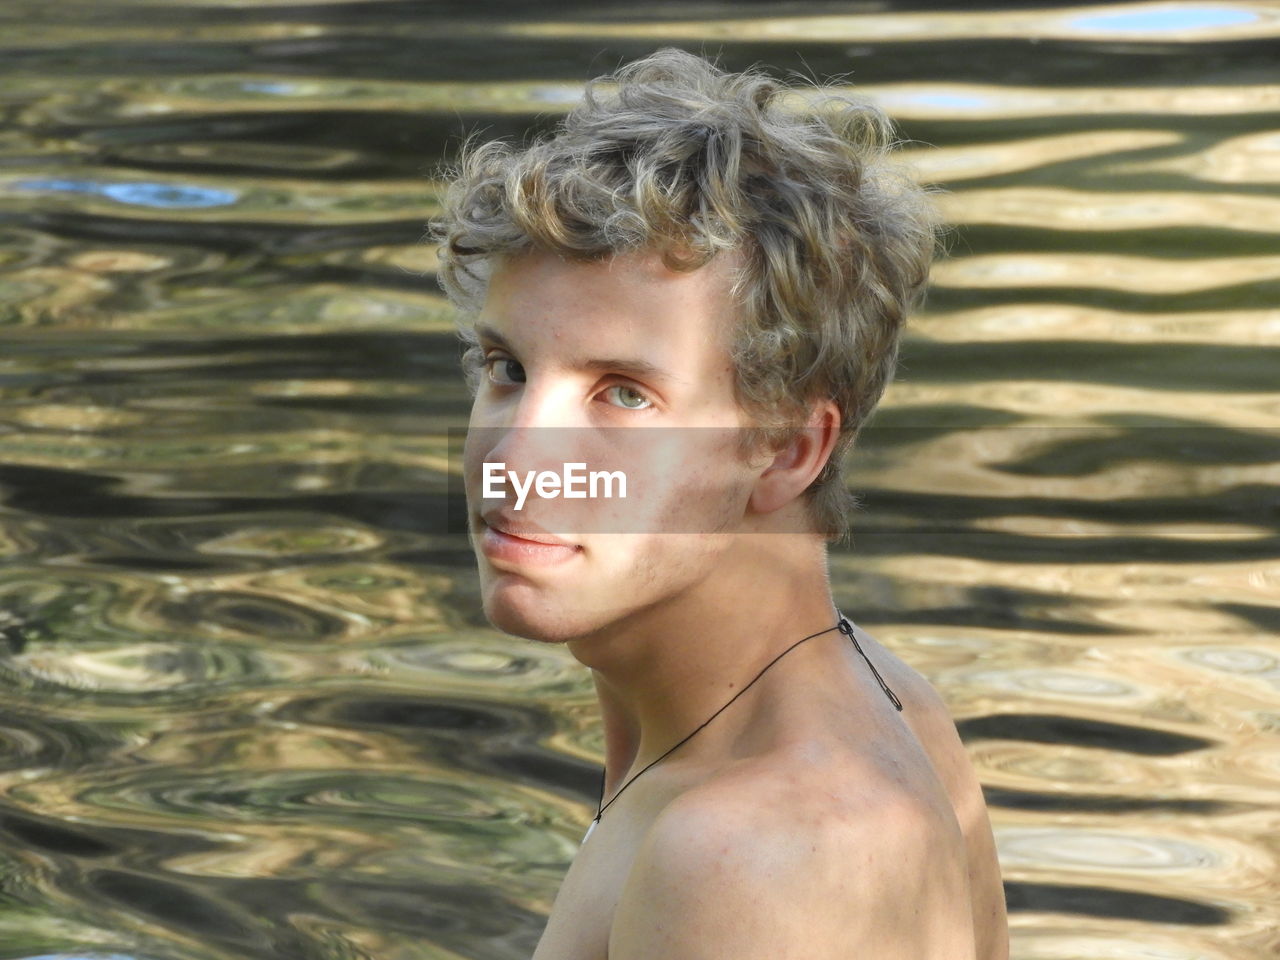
[(545, 403), (540, 430), (529, 447)]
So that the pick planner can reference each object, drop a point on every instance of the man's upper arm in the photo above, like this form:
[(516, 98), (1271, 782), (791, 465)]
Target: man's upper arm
[(714, 884)]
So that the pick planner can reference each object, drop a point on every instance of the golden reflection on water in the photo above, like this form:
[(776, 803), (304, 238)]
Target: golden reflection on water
[(248, 704), (1058, 209), (970, 161), (1056, 321), (1174, 22), (1128, 273)]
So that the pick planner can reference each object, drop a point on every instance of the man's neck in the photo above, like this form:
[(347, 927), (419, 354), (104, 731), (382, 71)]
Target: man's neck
[(661, 672)]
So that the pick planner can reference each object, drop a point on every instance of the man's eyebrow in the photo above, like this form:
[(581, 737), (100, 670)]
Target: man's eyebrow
[(632, 366)]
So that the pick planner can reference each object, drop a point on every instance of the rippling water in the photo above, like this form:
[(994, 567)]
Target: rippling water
[(249, 705)]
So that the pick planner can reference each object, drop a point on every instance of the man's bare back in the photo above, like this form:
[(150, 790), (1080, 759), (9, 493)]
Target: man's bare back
[(876, 766)]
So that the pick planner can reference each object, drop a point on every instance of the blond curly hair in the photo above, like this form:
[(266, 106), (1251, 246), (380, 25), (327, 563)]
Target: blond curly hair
[(834, 237)]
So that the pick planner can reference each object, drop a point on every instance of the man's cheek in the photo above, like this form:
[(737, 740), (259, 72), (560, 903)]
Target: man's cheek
[(702, 501)]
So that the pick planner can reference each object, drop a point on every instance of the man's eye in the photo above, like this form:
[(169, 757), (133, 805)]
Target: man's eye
[(631, 399), (516, 378), (628, 398)]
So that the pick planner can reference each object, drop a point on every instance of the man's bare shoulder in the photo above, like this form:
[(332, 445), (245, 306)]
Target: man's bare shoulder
[(935, 730), (774, 873)]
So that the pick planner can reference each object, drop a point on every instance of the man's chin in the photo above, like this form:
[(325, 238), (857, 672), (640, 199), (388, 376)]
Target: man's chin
[(521, 610)]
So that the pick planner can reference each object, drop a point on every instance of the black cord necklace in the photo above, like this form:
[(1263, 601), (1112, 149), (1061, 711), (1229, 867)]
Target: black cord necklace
[(842, 624)]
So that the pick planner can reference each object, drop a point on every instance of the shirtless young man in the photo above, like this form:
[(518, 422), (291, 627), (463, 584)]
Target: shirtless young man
[(813, 819)]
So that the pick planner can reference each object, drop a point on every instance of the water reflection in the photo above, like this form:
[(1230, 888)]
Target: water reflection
[(249, 706), (140, 194)]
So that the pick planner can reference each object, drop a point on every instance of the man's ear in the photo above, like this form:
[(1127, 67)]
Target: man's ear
[(796, 465)]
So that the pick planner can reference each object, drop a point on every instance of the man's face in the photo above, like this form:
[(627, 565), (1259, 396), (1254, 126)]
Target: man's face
[(542, 402)]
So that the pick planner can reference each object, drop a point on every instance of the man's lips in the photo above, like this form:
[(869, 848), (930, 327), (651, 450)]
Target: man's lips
[(503, 522), (520, 549)]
